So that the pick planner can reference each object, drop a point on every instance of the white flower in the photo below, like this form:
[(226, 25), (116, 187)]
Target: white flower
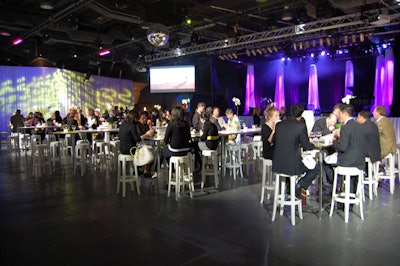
[(236, 101), (347, 99), (184, 101), (157, 107)]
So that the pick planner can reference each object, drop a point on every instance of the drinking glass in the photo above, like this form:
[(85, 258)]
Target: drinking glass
[(73, 127), (318, 135), (312, 136)]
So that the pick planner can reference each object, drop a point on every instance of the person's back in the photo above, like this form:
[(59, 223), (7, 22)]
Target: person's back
[(16, 121), (290, 134), (128, 136), (387, 134), (370, 136)]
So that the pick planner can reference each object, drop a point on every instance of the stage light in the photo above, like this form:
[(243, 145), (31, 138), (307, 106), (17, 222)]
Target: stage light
[(312, 55), (104, 52), (286, 15), (47, 5), (5, 33), (17, 41), (282, 59), (384, 46), (188, 20), (269, 50), (323, 53)]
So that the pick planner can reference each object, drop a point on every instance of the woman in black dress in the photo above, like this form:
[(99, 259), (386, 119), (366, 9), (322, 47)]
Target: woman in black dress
[(271, 115), (209, 134), (128, 135)]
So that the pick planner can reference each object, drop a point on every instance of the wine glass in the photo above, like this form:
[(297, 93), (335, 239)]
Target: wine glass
[(312, 136), (73, 127), (318, 135)]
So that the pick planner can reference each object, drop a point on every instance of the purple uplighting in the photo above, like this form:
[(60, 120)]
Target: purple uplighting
[(279, 88), (384, 71), (313, 96), (349, 78), (250, 98)]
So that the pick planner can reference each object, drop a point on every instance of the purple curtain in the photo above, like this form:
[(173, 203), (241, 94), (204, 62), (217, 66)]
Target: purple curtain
[(250, 98), (313, 96)]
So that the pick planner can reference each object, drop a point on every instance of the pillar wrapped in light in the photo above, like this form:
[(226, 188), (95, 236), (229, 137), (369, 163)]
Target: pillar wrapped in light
[(157, 35), (279, 98), (313, 94), (349, 78)]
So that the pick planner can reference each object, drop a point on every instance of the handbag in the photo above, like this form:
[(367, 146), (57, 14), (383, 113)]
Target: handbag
[(143, 155)]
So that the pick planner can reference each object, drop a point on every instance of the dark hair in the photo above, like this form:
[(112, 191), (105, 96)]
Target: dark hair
[(365, 114), (206, 116), (347, 108), (18, 111), (201, 104), (178, 116), (209, 110), (130, 118), (144, 113), (296, 110)]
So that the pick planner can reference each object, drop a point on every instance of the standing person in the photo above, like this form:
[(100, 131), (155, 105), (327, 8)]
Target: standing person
[(290, 135), (271, 115), (209, 134), (370, 134), (256, 116), (177, 135), (17, 121), (325, 125), (196, 123), (387, 135), (349, 144), (128, 136)]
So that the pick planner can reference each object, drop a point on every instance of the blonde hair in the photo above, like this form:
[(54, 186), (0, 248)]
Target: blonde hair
[(269, 112)]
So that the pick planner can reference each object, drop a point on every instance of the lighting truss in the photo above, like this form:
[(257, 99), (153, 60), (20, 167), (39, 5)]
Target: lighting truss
[(307, 31)]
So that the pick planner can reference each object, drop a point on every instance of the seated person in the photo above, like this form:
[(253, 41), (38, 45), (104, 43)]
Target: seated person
[(325, 125), (145, 129), (209, 134)]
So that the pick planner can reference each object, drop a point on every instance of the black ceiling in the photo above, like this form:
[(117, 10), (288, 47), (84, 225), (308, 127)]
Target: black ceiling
[(52, 36)]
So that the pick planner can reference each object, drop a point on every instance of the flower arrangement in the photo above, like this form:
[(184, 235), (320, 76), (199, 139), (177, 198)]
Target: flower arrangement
[(157, 107), (43, 111), (347, 99), (185, 103), (236, 101)]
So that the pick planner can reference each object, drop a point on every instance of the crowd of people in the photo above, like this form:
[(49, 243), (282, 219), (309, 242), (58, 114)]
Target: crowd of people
[(352, 140), (282, 134)]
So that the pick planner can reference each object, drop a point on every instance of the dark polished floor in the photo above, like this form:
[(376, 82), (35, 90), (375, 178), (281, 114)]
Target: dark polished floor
[(66, 219)]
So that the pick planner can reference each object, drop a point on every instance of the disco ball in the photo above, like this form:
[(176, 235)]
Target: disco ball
[(157, 35)]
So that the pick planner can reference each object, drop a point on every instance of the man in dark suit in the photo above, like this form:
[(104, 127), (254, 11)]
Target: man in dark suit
[(290, 135), (325, 125), (196, 122), (349, 144), (370, 134)]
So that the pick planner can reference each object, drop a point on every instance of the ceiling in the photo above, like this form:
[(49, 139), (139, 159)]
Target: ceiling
[(69, 35)]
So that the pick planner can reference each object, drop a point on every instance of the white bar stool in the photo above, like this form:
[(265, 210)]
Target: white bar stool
[(114, 152), (1, 138), (82, 150), (183, 174), (233, 159), (388, 162), (346, 197), (257, 147), (266, 183), (371, 179), (209, 167), (125, 161), (13, 145), (397, 168), (40, 159), (280, 196), (246, 150)]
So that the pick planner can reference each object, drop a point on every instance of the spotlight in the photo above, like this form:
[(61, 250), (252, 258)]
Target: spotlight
[(104, 52), (323, 53), (5, 33), (17, 41), (188, 20), (286, 15), (47, 5)]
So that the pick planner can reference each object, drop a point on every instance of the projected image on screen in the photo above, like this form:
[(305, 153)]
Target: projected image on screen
[(172, 79)]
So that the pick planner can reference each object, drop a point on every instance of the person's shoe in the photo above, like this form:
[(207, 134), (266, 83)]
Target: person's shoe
[(300, 192)]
